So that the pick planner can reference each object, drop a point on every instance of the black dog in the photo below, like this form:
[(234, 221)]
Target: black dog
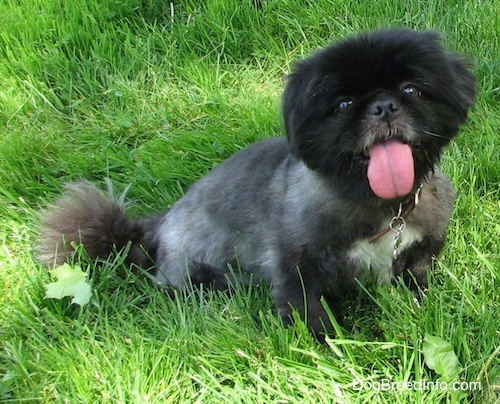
[(352, 192)]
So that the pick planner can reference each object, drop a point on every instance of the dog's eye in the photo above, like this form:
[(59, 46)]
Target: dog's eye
[(411, 90), (345, 103)]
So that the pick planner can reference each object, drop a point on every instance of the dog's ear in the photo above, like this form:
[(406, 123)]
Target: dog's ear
[(464, 91), (300, 89), (294, 98), (454, 69)]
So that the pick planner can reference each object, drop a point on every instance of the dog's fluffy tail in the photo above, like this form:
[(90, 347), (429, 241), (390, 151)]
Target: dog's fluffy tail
[(86, 216)]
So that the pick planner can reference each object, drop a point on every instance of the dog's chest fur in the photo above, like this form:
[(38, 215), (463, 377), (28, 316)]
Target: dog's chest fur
[(376, 258)]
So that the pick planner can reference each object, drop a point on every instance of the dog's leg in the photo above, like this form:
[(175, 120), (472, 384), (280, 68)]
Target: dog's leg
[(304, 297), (414, 263), (208, 276)]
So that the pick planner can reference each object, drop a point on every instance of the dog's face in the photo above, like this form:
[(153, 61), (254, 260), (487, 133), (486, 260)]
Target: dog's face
[(373, 112)]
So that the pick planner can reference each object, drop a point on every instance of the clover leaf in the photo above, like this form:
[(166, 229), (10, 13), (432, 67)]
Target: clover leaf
[(71, 281), (440, 357)]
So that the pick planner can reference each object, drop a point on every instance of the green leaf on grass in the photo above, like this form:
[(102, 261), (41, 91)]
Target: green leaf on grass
[(71, 281), (440, 357)]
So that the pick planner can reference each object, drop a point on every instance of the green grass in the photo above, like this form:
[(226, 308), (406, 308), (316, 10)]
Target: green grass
[(154, 94)]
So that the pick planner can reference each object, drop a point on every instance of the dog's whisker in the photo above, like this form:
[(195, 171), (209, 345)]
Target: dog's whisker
[(426, 132)]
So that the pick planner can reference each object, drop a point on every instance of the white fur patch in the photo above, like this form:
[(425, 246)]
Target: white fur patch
[(377, 257)]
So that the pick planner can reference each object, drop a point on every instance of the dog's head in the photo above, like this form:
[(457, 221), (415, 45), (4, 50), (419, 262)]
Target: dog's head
[(374, 111)]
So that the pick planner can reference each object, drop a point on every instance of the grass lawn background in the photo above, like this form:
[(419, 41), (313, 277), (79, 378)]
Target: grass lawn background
[(154, 94)]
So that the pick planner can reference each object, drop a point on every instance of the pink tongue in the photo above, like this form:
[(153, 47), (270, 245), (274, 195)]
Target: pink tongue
[(390, 171)]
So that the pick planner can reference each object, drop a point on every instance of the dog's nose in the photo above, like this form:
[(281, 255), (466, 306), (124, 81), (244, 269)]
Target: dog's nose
[(383, 108)]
